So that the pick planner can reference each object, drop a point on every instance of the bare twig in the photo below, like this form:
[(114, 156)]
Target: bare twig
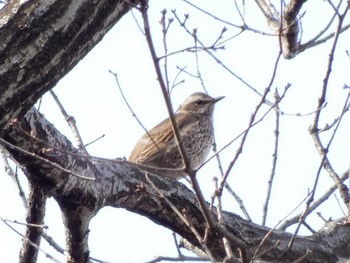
[(128, 105), (165, 28), (314, 205), (242, 27), (344, 191), (95, 140), (250, 125), (14, 176), (56, 165), (314, 130), (239, 201), (137, 22), (53, 243), (176, 259), (72, 124), (324, 162), (339, 205), (221, 220), (30, 242), (192, 173), (310, 44), (199, 74), (43, 226), (274, 161), (132, 111), (175, 81), (228, 187), (143, 9), (267, 249), (326, 27), (182, 217), (49, 148), (217, 60), (298, 114), (177, 245), (182, 149), (257, 252), (303, 257)]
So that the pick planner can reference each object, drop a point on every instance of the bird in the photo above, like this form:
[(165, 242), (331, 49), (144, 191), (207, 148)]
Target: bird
[(158, 147)]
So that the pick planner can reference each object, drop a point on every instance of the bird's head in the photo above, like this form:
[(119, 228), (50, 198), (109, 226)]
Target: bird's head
[(199, 103)]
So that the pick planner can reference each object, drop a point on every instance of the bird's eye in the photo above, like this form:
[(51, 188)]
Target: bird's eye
[(200, 102)]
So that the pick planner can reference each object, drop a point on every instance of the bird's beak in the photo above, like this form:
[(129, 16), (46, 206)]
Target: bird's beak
[(217, 99)]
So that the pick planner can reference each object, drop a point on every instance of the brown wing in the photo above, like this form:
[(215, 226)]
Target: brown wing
[(147, 150)]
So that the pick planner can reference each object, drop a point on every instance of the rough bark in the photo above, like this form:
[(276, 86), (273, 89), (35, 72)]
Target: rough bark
[(120, 184), (40, 42), (286, 24), (35, 221)]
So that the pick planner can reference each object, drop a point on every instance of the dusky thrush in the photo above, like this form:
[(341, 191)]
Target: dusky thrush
[(158, 147)]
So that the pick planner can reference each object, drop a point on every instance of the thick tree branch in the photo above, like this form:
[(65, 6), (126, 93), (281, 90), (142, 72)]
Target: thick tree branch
[(41, 41), (35, 220), (120, 184), (290, 30)]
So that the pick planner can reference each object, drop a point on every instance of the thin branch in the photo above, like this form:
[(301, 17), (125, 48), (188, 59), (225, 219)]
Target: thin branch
[(182, 149), (269, 12), (53, 243), (314, 130), (43, 226), (314, 205), (221, 220), (324, 162), (72, 124), (176, 259), (310, 44), (165, 28), (303, 257), (239, 201), (242, 27), (247, 129), (199, 74), (344, 191), (55, 165), (274, 160), (177, 245), (175, 82), (14, 176), (251, 124), (30, 242), (95, 140), (298, 114), (339, 205), (137, 22), (325, 29), (132, 111), (48, 238), (228, 187), (182, 217), (217, 60), (49, 148), (193, 49), (128, 105), (257, 252)]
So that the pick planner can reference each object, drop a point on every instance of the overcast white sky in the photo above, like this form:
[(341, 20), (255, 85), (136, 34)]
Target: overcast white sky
[(90, 94)]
